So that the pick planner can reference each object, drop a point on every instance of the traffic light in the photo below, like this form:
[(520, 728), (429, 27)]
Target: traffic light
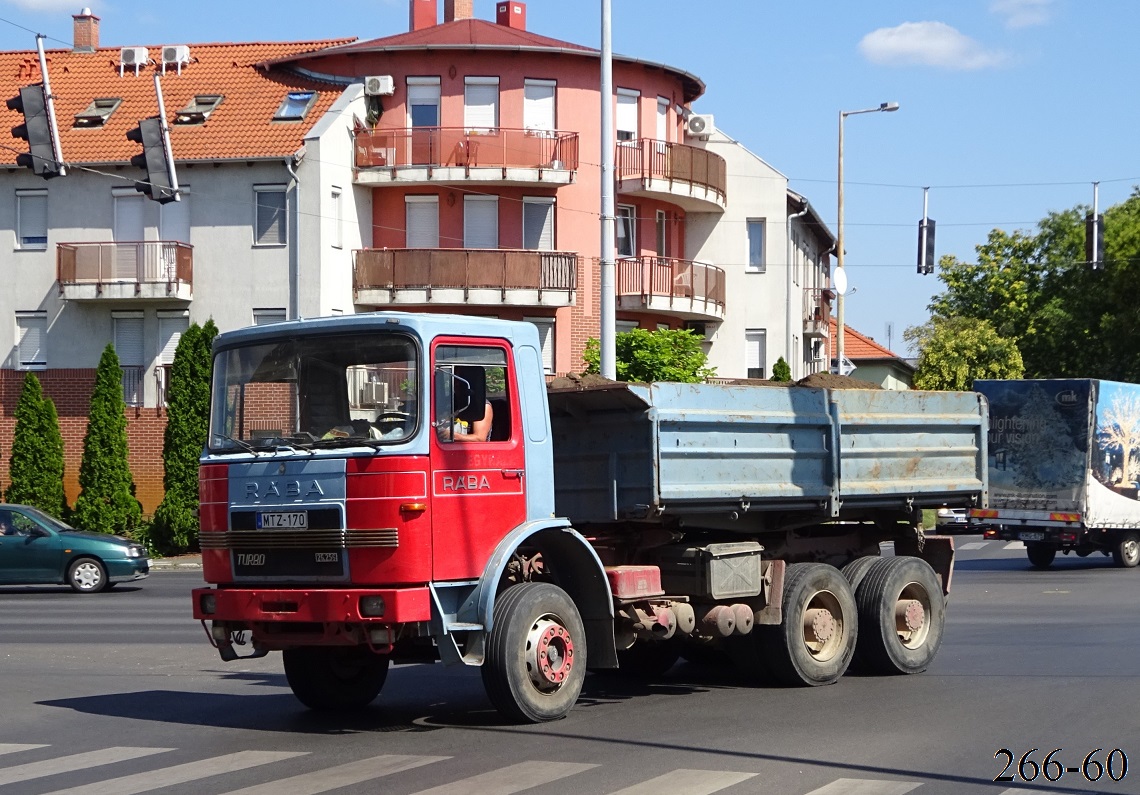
[(1094, 241), (161, 183), (36, 130), (926, 246)]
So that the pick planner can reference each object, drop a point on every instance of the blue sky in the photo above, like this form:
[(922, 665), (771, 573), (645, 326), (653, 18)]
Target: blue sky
[(1009, 108)]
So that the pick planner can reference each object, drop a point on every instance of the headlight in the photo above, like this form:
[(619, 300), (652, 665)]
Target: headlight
[(136, 552)]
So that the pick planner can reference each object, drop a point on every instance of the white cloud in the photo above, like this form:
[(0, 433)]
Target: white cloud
[(927, 44), (1023, 13)]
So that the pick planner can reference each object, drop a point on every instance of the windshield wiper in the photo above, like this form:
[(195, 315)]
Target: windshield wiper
[(249, 448)]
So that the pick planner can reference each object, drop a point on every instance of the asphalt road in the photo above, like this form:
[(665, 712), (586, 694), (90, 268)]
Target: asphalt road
[(120, 693)]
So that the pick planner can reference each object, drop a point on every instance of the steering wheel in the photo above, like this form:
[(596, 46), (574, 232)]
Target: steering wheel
[(393, 418)]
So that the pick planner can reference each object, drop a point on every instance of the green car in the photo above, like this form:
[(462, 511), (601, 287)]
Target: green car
[(36, 549)]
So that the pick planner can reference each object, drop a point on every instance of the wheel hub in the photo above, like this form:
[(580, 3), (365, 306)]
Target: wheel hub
[(550, 654), (819, 623), (909, 615)]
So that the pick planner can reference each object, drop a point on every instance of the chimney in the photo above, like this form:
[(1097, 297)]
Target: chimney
[(85, 31), (511, 14), (423, 14), (454, 10)]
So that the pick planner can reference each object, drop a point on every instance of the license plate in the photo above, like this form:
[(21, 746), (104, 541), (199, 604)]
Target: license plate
[(297, 520), (1031, 536)]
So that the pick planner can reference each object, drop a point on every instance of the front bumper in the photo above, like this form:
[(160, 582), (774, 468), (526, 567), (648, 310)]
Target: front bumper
[(310, 605), (128, 570)]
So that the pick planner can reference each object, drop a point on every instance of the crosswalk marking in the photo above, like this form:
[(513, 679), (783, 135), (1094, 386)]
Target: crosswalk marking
[(69, 764), (862, 786), (1015, 545), (687, 782), (341, 776), (11, 748), (973, 545), (179, 774), (510, 779)]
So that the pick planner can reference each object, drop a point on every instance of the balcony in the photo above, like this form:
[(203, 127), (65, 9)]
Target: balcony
[(687, 176), (426, 155), (449, 277), (817, 312), (155, 271), (677, 287)]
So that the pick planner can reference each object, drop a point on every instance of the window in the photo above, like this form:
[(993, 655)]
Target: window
[(461, 373), (423, 101), (756, 245), (31, 219), (271, 225), (263, 317), (422, 214), (538, 223), (626, 114), (31, 340), (171, 326), (199, 109), (337, 219), (128, 337), (625, 233), (97, 113), (662, 119), (545, 328), (756, 352), (481, 221), (481, 103), (538, 105), (295, 105), (662, 240), (623, 326)]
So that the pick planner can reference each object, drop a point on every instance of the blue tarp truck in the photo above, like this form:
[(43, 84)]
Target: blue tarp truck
[(1064, 458)]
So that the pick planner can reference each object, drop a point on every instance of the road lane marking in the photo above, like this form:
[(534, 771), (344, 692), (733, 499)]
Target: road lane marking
[(11, 748), (340, 776), (73, 762), (510, 779), (1015, 545), (687, 782), (179, 774), (862, 786), (973, 545)]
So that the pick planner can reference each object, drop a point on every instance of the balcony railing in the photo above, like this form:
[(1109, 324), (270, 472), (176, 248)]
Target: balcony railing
[(439, 147), (466, 269), (153, 262), (817, 311), (672, 284), (678, 165), (132, 385)]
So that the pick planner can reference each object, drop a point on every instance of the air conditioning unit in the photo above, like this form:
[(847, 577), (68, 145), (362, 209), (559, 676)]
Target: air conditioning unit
[(702, 330), (374, 393), (699, 125), (379, 86), (176, 53), (134, 56)]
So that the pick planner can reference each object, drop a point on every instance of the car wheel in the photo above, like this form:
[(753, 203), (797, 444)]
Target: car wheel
[(1126, 553), (87, 575)]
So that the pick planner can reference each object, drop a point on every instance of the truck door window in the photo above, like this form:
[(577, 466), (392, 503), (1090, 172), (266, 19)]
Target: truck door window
[(472, 398)]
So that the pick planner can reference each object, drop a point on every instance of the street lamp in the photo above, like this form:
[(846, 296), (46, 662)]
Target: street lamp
[(886, 107)]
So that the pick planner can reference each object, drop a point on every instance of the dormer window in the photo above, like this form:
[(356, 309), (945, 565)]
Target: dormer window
[(295, 105), (199, 109), (97, 112)]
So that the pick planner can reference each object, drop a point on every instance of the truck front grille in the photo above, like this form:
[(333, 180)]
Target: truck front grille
[(387, 537)]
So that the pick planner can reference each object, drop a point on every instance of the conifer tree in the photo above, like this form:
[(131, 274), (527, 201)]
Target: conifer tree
[(781, 371), (106, 502), (36, 465)]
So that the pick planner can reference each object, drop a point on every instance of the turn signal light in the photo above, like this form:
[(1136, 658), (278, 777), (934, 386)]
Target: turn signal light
[(372, 606), (417, 507)]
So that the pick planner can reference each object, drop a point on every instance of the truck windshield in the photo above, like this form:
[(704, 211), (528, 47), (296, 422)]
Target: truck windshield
[(336, 390)]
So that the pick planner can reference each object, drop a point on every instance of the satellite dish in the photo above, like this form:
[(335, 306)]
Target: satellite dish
[(839, 281)]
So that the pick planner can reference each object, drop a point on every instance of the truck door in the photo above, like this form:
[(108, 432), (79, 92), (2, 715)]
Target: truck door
[(477, 459)]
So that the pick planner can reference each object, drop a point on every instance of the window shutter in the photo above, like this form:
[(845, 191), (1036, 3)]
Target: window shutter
[(545, 328), (481, 106), (627, 114), (622, 326), (33, 220), (662, 119), (538, 224), (169, 333), (129, 341), (481, 222), (270, 217), (32, 332), (755, 344), (538, 105), (423, 222)]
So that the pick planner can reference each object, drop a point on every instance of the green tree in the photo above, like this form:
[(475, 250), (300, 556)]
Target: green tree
[(175, 526), (955, 352), (781, 371), (106, 502), (36, 465), (644, 356)]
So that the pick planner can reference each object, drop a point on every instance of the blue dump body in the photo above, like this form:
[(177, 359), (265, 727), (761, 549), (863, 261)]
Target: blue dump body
[(636, 451)]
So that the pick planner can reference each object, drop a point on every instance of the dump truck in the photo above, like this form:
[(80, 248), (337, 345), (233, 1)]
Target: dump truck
[(400, 487), (1064, 464)]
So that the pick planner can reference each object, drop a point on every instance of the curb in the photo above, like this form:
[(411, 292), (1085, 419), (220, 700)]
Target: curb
[(172, 565)]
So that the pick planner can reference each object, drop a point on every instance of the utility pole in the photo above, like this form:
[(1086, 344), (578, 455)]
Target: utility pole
[(608, 331)]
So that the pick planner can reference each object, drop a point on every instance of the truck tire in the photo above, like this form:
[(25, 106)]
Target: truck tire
[(1040, 555), (814, 644), (536, 653), (902, 614), (1126, 552), (857, 569), (647, 659), (335, 678)]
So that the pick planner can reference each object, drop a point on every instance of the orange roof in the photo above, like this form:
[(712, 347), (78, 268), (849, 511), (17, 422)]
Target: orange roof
[(240, 128), (857, 346)]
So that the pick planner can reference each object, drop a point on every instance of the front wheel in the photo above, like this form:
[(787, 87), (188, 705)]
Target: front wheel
[(335, 678), (1126, 553), (536, 653), (902, 613), (1040, 555), (87, 575)]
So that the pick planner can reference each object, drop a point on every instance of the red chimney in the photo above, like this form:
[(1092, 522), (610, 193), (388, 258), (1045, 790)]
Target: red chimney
[(422, 14), (511, 13), (85, 31), (457, 9)]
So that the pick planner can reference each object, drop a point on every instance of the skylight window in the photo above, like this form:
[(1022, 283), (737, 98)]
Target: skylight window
[(199, 109), (295, 105), (97, 112)]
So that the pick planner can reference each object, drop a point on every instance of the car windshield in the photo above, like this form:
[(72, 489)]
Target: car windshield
[(329, 390), (44, 519)]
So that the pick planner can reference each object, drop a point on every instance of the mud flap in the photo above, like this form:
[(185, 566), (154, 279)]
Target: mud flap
[(938, 551)]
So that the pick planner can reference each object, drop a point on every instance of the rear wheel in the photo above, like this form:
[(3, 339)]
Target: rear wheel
[(87, 575), (1126, 553), (536, 653), (815, 642), (902, 613), (857, 569), (1040, 555), (335, 678)]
